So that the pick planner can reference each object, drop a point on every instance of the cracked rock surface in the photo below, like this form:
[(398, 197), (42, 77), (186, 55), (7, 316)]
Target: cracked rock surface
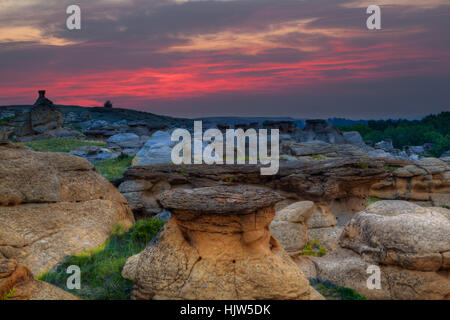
[(409, 244), (223, 254)]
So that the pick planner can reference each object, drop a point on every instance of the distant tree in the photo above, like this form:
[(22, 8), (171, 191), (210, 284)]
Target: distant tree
[(108, 104)]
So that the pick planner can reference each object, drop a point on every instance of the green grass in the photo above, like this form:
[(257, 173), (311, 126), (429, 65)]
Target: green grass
[(372, 200), (334, 292), (60, 145), (114, 168), (314, 248), (101, 268)]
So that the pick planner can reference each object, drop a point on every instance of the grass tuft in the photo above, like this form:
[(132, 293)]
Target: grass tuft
[(314, 248), (101, 268), (114, 168)]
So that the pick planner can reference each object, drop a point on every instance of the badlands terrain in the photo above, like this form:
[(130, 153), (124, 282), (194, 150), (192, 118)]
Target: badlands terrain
[(95, 188)]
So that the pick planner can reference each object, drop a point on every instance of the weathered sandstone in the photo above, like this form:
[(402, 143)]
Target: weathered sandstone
[(217, 245), (53, 205), (342, 184), (17, 283)]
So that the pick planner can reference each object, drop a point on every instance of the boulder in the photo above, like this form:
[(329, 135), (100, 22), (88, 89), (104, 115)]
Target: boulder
[(289, 226), (94, 153), (157, 149), (53, 205), (17, 283), (402, 234), (321, 217), (128, 143), (408, 243), (217, 245), (346, 268), (355, 138)]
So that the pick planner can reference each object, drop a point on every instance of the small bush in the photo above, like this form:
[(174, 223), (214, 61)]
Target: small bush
[(314, 248), (60, 145), (101, 268)]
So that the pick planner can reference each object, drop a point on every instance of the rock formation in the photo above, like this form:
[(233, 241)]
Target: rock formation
[(217, 245), (127, 143), (410, 244), (342, 184), (17, 283), (53, 205), (426, 181), (42, 118), (289, 226), (319, 130)]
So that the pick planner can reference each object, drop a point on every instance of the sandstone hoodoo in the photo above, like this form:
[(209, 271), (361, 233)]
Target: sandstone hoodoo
[(53, 205), (217, 245)]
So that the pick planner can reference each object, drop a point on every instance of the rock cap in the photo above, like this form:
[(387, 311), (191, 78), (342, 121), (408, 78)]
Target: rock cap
[(220, 199)]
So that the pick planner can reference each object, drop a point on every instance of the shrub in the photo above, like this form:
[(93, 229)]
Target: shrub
[(114, 168), (314, 248)]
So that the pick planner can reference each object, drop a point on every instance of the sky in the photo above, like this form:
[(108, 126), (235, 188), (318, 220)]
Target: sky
[(198, 58)]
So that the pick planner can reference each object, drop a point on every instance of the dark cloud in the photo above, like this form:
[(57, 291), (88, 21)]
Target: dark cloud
[(249, 57)]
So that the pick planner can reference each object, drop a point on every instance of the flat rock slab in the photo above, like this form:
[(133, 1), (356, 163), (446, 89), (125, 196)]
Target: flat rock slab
[(220, 200)]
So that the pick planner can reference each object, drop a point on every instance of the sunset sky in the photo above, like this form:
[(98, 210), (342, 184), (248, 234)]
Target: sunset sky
[(191, 58)]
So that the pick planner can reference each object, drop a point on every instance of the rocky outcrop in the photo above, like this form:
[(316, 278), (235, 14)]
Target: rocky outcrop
[(321, 148), (402, 234), (53, 205), (289, 226), (127, 143), (156, 150), (94, 153), (319, 130), (44, 116), (341, 184), (217, 245), (17, 283), (410, 244), (426, 181)]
